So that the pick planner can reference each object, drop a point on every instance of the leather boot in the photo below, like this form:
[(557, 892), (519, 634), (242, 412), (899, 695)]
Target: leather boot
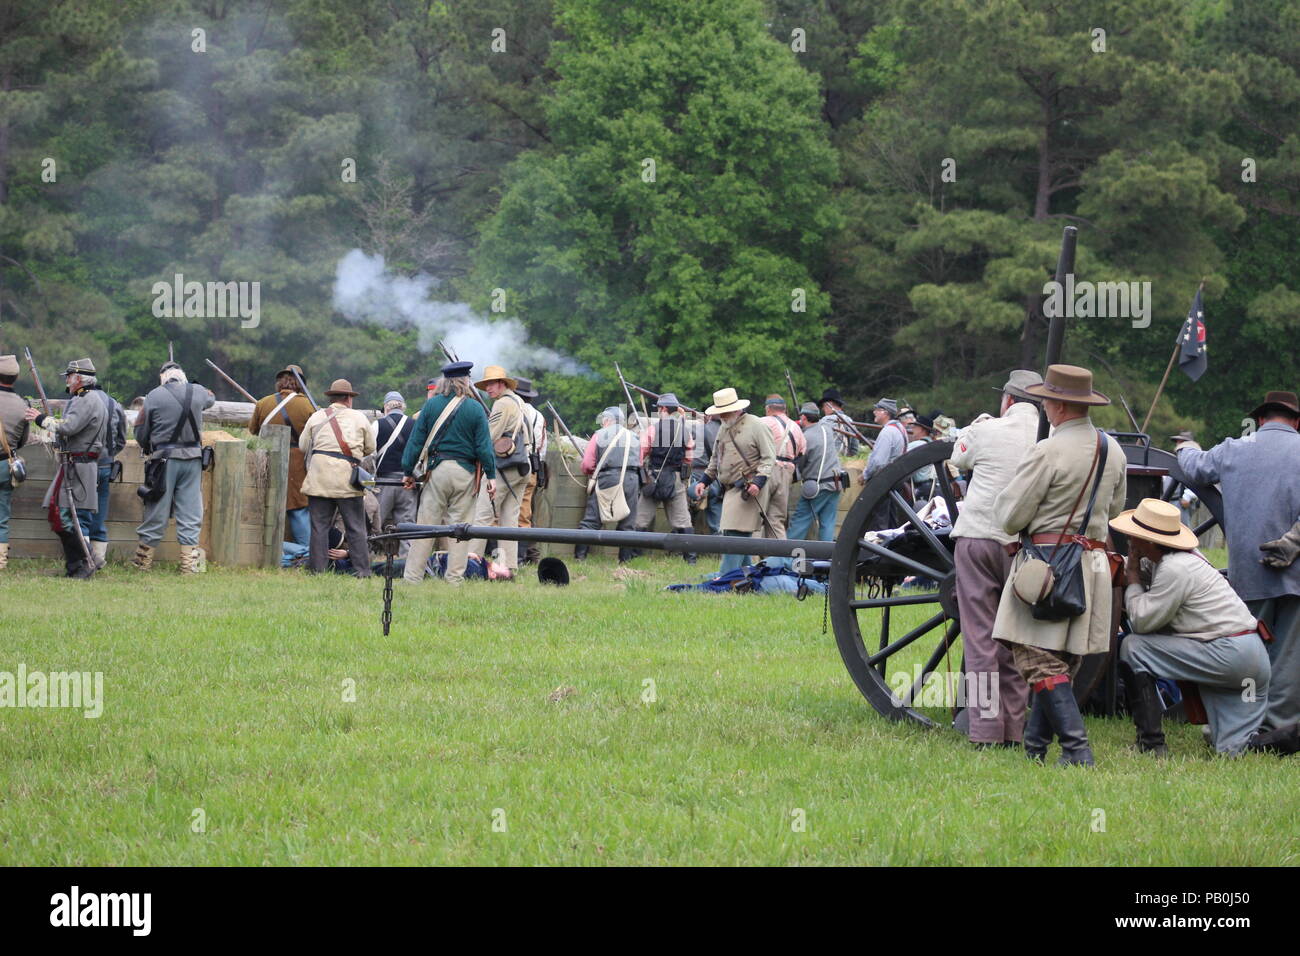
[(1283, 741), (99, 551), (627, 554), (532, 555), (1062, 713), (74, 559), (4, 555), (580, 552), (1038, 733), (1146, 710), (687, 556), (143, 559)]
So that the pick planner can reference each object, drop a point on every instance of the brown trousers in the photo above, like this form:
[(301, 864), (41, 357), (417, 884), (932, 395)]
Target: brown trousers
[(526, 508), (982, 567), (1039, 663)]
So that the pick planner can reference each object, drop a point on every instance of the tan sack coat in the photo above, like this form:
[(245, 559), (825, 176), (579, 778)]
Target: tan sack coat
[(1038, 500), (743, 449), (327, 476)]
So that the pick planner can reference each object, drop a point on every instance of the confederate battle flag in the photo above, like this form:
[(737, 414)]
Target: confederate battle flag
[(1191, 341)]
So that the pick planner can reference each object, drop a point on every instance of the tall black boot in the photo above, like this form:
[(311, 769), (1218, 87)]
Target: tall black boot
[(627, 554), (687, 556), (1038, 732), (1063, 716), (1146, 709), (74, 558)]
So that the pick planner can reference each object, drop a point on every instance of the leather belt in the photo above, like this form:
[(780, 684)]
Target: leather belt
[(1054, 539), (784, 459), (82, 455)]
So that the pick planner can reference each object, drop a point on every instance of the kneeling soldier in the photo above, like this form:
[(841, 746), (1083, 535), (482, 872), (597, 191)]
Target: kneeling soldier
[(1188, 624)]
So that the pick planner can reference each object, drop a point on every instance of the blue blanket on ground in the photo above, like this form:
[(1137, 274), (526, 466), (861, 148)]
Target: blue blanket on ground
[(761, 578)]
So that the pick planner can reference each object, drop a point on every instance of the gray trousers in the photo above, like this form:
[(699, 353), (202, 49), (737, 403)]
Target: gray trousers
[(396, 505), (1232, 674), (1282, 615), (982, 567), (183, 497), (353, 512), (631, 489)]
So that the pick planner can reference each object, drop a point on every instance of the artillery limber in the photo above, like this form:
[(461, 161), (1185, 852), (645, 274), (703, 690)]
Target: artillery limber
[(871, 599)]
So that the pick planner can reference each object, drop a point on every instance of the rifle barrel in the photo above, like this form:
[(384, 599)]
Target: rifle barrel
[(36, 377), (655, 395), (239, 388)]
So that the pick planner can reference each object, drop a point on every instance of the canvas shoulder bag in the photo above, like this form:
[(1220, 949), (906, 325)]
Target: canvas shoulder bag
[(1051, 581), (421, 468), (510, 452), (612, 502)]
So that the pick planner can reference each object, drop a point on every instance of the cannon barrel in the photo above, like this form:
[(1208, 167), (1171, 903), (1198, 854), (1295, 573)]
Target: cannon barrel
[(693, 543)]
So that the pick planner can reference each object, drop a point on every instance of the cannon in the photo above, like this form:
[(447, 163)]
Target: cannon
[(892, 597)]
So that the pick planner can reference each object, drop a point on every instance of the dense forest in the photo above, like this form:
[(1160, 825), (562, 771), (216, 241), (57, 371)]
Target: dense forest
[(870, 193)]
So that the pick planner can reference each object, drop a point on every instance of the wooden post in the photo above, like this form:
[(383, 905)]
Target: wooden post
[(277, 490), (227, 501)]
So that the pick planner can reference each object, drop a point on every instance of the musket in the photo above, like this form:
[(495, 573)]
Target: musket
[(793, 397), (653, 395), (36, 377), (303, 385), (865, 425), (560, 421), (1128, 411), (171, 356), (631, 405), (76, 521), (239, 388)]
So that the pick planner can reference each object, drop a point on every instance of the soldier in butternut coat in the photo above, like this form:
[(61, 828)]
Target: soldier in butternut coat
[(743, 459), (1046, 499), (328, 486), (287, 405)]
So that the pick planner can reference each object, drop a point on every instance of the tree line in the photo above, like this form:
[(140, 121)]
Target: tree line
[(870, 194)]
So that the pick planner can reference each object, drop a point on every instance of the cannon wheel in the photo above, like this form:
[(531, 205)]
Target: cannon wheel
[(867, 665)]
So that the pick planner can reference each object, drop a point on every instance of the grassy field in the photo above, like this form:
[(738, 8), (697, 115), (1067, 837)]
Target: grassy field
[(609, 722)]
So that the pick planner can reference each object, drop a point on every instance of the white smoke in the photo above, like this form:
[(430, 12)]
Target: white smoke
[(365, 292)]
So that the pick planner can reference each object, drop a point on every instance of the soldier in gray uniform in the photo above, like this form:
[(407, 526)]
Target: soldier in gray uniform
[(73, 496), (115, 441), (613, 454), (169, 430), (14, 426)]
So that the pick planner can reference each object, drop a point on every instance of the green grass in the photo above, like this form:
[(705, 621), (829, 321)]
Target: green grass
[(224, 693)]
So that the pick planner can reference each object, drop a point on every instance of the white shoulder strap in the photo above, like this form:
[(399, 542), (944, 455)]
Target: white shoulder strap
[(437, 426), (275, 411), (397, 430)]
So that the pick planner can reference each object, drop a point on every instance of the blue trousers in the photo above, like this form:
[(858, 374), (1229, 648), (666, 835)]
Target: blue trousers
[(298, 523), (98, 530), (182, 497), (6, 504), (821, 509), (731, 562)]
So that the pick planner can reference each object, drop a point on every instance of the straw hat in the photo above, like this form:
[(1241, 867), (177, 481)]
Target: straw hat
[(495, 373), (1068, 383), (341, 386), (1158, 521), (725, 400)]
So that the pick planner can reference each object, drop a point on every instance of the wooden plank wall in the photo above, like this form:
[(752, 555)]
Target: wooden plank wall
[(236, 495)]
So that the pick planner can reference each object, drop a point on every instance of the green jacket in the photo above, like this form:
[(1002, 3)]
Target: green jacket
[(464, 439)]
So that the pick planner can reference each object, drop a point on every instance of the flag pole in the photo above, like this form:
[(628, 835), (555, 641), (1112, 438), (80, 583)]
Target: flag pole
[(1178, 345)]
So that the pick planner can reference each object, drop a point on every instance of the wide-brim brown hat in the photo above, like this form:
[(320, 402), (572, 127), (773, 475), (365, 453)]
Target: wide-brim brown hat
[(495, 373), (290, 369), (341, 386), (725, 400), (1158, 521), (1277, 402), (1067, 383)]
